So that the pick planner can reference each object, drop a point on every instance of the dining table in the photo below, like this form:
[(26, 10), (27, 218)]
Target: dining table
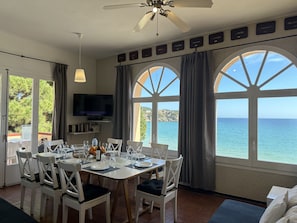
[(121, 170), (117, 168)]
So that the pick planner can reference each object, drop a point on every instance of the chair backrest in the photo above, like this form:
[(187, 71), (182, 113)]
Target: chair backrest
[(25, 165), (172, 174), (115, 144), (136, 146), (53, 145), (70, 180), (47, 171), (159, 151)]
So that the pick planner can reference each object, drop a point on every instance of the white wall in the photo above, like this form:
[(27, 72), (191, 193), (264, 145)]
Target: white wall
[(233, 180)]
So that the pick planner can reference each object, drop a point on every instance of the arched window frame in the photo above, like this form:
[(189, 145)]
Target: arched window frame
[(252, 161), (154, 100)]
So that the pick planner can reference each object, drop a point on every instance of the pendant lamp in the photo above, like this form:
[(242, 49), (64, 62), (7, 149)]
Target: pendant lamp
[(79, 76)]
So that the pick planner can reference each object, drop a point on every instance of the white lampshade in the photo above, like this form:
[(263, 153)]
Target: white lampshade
[(80, 76)]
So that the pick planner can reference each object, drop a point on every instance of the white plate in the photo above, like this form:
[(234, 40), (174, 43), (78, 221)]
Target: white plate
[(143, 164), (139, 156), (47, 154), (100, 166), (72, 160)]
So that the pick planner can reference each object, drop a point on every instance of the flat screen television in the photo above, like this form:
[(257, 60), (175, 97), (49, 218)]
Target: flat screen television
[(95, 106)]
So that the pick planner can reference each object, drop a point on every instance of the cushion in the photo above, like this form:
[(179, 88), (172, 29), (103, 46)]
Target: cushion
[(275, 210), (291, 214), (231, 211), (93, 191), (153, 186), (292, 197), (283, 220)]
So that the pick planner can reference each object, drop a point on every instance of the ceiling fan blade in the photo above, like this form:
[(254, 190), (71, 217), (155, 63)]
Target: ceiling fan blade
[(143, 21), (177, 21), (124, 6), (192, 3)]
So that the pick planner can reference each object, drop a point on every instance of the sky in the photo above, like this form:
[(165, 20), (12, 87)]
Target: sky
[(278, 72)]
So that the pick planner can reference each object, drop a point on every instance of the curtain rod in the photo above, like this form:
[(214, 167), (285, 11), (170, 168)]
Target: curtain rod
[(220, 48), (27, 57)]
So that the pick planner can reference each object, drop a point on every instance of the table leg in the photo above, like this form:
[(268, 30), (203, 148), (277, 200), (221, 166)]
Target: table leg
[(128, 205), (115, 200), (124, 183)]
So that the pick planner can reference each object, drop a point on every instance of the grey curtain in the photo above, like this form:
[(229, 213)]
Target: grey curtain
[(123, 104), (197, 122), (59, 116)]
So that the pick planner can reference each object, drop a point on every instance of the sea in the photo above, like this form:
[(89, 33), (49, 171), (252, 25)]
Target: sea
[(277, 138)]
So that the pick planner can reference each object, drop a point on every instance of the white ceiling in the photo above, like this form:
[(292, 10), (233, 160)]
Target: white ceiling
[(110, 32)]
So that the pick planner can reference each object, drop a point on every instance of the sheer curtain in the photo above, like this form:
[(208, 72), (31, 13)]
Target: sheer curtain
[(197, 122), (59, 116), (123, 104)]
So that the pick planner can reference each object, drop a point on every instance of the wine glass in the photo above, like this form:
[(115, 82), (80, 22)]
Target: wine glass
[(86, 150)]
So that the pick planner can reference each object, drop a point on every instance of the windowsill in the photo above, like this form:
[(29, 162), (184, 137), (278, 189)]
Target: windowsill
[(291, 170)]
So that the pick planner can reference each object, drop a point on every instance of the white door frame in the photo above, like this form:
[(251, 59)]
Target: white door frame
[(3, 125)]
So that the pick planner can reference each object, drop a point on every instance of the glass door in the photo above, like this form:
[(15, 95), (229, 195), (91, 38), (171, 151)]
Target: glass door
[(19, 123)]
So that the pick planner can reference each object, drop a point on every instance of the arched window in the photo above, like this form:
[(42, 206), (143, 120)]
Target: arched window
[(156, 106), (256, 105)]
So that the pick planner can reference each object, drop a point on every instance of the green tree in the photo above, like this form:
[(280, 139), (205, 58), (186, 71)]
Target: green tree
[(142, 124), (20, 104)]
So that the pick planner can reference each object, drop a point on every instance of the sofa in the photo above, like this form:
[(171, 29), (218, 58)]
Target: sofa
[(11, 214), (283, 209)]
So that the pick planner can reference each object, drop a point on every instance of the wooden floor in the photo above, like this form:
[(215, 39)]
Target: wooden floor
[(193, 206)]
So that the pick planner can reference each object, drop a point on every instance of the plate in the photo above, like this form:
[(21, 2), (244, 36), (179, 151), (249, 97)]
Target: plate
[(47, 154), (72, 160), (99, 167), (143, 164), (139, 156)]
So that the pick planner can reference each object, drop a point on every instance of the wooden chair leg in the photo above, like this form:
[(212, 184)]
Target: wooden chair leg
[(107, 209), (22, 196), (82, 215), (138, 201), (33, 196), (65, 213)]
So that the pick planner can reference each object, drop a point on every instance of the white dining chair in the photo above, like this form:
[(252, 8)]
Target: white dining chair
[(80, 196), (159, 151), (115, 145), (50, 184), (29, 177), (53, 145), (161, 191), (135, 145)]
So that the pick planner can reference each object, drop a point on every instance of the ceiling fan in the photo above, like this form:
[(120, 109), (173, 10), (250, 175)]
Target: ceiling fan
[(159, 7)]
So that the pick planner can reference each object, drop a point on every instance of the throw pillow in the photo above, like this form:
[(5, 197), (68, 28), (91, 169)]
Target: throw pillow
[(275, 210), (291, 214), (283, 220), (292, 197)]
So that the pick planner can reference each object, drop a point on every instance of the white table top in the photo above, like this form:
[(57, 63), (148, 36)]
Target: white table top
[(123, 170)]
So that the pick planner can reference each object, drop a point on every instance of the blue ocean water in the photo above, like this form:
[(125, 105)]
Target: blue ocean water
[(168, 134), (277, 138)]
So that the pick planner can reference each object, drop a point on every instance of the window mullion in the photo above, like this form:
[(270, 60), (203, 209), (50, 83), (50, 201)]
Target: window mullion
[(253, 122)]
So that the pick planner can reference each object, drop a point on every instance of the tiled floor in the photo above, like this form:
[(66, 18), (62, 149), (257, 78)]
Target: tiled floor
[(194, 207)]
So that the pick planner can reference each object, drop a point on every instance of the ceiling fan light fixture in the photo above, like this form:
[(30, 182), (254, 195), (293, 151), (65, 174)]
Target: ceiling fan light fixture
[(155, 9), (79, 76)]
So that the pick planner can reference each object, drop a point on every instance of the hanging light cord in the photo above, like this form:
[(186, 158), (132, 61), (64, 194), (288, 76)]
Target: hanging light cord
[(80, 36), (157, 33)]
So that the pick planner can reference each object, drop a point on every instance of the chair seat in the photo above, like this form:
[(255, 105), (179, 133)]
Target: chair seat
[(92, 191), (153, 186)]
